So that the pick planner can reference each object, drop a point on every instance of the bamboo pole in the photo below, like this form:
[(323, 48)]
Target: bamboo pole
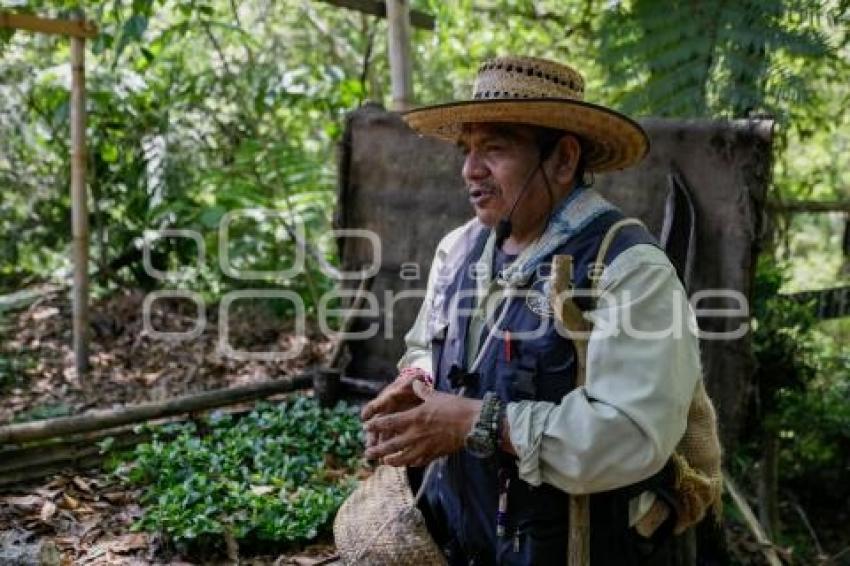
[(83, 462), (357, 386), (572, 319), (78, 451), (79, 206), (401, 74)]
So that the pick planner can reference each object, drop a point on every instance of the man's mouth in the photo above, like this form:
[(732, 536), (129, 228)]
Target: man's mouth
[(478, 196)]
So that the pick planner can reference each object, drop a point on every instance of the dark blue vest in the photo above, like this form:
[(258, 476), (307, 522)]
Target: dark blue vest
[(462, 497)]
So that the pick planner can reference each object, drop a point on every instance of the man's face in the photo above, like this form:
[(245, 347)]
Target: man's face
[(499, 158)]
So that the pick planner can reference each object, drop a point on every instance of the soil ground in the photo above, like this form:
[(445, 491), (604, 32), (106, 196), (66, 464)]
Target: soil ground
[(84, 516)]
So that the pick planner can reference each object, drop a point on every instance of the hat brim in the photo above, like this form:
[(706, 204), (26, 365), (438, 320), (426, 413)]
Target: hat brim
[(612, 141)]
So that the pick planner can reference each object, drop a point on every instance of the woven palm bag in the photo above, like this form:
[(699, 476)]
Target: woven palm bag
[(379, 524)]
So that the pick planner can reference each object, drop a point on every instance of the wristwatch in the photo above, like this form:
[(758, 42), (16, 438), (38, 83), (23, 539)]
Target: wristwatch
[(483, 440)]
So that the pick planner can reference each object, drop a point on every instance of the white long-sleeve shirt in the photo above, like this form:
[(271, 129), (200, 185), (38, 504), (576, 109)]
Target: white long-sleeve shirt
[(624, 423)]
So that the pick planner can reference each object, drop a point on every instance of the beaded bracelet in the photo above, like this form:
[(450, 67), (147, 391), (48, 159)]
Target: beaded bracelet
[(417, 373)]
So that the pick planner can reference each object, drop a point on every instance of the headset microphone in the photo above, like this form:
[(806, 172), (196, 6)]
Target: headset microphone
[(503, 231), (504, 227)]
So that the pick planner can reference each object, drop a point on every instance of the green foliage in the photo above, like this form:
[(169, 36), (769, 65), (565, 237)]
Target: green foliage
[(714, 59), (802, 375), (782, 340), (198, 109), (272, 475), (802, 391), (785, 60), (192, 113), (815, 424)]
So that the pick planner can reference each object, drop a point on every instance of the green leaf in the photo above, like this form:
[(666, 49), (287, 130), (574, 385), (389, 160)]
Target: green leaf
[(109, 153), (135, 27), (211, 217)]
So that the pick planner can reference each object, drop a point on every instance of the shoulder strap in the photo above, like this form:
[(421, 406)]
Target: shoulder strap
[(567, 313), (606, 245)]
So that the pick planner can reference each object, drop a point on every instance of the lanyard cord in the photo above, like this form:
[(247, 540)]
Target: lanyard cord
[(490, 336)]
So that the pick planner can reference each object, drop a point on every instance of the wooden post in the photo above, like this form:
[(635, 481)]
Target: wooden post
[(79, 206), (418, 19), (327, 386), (78, 30), (28, 22), (401, 74)]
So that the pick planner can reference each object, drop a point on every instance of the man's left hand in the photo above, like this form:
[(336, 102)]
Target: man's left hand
[(417, 436)]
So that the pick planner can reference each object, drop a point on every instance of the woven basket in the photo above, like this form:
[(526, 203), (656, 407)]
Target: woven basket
[(379, 524)]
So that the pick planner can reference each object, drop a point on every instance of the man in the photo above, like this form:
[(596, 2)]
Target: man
[(487, 388)]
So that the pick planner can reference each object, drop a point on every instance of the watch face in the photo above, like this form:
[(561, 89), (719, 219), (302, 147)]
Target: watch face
[(482, 440), (478, 443)]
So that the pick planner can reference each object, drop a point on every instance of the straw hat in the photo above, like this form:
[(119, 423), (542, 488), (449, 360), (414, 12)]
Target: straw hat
[(528, 90)]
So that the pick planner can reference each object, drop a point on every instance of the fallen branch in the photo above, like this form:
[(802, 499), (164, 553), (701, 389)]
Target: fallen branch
[(69, 450), (52, 461), (25, 297), (10, 479), (811, 206), (752, 523), (361, 386), (808, 525), (110, 418)]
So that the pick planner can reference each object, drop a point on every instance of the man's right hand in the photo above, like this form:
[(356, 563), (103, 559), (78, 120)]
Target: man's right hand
[(397, 396)]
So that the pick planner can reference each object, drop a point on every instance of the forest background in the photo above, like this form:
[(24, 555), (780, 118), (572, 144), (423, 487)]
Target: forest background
[(197, 108)]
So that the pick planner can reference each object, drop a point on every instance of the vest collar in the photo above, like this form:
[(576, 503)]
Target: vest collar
[(572, 214)]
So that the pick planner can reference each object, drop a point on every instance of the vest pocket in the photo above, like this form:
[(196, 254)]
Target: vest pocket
[(556, 368), (539, 370), (515, 378)]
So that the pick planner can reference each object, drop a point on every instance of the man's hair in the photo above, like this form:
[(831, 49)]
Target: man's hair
[(547, 139)]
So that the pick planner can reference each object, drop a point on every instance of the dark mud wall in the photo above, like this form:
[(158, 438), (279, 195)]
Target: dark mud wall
[(408, 190)]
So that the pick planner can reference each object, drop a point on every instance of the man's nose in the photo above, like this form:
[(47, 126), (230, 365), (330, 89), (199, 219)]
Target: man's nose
[(474, 168)]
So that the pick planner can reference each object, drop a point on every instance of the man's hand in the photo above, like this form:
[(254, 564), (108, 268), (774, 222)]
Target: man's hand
[(397, 396), (435, 427)]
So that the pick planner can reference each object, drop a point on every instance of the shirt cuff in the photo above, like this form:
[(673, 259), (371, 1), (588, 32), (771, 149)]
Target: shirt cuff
[(527, 422)]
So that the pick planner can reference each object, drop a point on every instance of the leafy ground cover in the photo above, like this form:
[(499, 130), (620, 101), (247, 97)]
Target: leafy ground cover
[(276, 475)]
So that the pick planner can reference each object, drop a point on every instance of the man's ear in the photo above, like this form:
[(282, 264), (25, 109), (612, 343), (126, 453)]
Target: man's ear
[(566, 156)]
